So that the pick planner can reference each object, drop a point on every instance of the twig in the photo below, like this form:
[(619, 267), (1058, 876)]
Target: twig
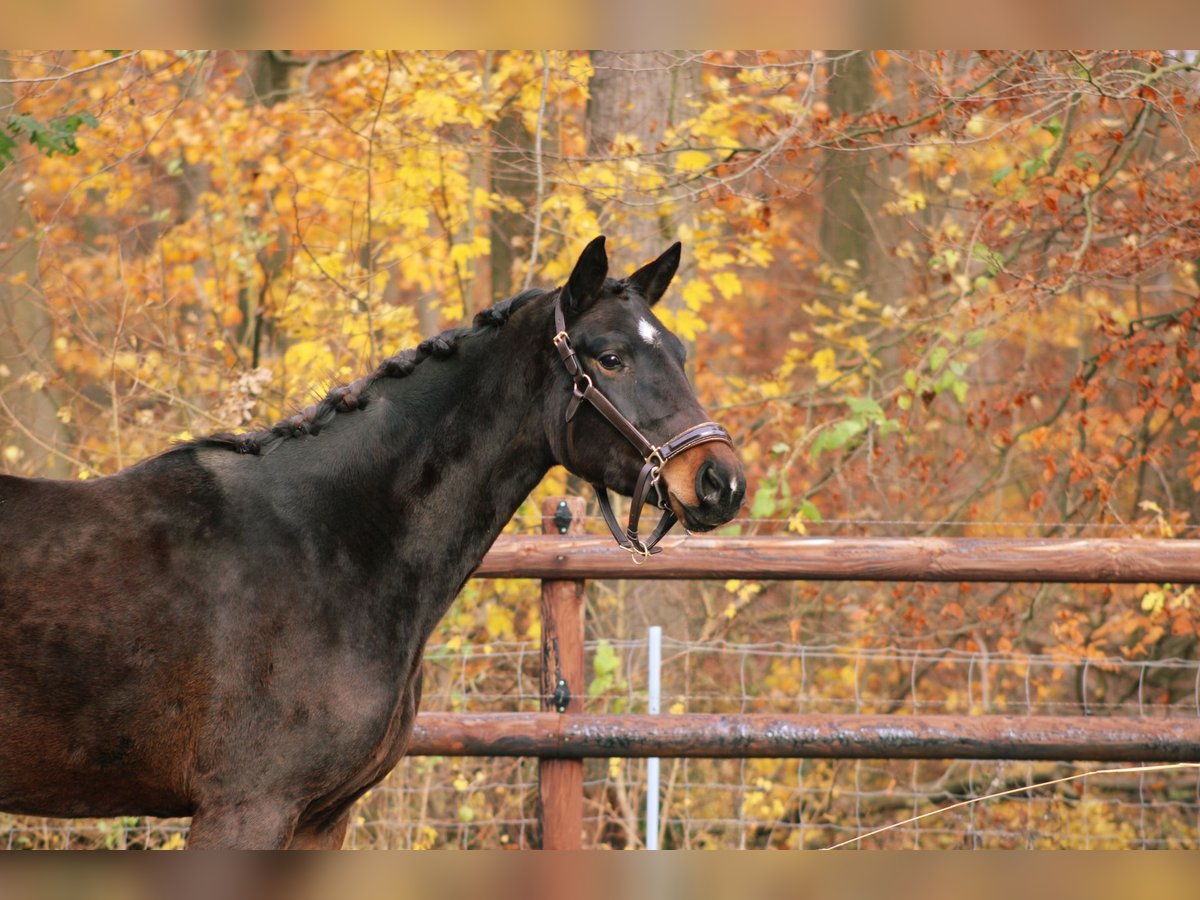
[(541, 176), (73, 72), (1017, 790), (49, 448), (286, 59), (387, 80)]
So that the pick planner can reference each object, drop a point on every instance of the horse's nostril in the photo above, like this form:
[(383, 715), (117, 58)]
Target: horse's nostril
[(709, 484)]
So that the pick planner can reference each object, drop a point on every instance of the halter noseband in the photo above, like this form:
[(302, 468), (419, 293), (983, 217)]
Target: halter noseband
[(650, 478)]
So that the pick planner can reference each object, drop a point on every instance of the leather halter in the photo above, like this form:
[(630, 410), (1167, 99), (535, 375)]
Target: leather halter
[(650, 478)]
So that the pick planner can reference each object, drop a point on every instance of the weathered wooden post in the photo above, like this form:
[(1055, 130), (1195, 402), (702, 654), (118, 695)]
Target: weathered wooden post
[(560, 781)]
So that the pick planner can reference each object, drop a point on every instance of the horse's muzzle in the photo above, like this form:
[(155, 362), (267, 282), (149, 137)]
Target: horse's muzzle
[(711, 487)]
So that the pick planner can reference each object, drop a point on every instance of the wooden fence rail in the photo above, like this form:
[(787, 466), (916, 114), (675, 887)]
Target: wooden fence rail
[(562, 735), (783, 558), (708, 736)]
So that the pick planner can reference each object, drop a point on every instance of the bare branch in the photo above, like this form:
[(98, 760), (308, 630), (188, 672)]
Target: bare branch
[(535, 244), (73, 72)]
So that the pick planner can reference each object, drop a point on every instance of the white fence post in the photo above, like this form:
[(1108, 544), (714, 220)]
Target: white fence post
[(652, 770)]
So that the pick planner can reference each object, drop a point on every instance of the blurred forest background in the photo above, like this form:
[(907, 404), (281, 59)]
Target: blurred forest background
[(929, 294)]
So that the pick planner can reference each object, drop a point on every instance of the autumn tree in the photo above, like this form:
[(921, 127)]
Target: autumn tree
[(928, 292)]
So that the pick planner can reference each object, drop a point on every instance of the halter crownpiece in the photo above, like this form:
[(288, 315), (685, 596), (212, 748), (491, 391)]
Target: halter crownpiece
[(655, 456)]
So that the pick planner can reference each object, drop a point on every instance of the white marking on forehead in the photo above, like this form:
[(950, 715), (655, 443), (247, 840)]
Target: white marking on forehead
[(648, 332)]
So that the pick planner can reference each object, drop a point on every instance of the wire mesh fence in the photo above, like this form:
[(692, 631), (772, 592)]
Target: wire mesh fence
[(430, 802), (811, 803)]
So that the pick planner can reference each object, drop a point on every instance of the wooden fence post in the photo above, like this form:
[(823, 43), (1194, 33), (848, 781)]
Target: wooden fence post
[(560, 781)]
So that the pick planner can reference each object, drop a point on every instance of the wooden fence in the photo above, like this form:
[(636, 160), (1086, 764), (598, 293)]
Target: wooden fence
[(561, 736)]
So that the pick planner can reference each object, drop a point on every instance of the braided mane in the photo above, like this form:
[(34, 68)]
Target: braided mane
[(347, 397)]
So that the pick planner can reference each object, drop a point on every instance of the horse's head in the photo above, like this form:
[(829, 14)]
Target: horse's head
[(617, 354)]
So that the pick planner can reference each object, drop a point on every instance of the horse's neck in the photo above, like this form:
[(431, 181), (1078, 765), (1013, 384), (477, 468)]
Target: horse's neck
[(483, 446), (441, 459)]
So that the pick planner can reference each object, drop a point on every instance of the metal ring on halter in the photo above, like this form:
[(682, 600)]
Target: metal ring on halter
[(638, 549), (583, 378)]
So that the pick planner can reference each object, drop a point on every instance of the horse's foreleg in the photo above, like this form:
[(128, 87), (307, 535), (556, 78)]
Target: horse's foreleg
[(244, 825), (324, 835)]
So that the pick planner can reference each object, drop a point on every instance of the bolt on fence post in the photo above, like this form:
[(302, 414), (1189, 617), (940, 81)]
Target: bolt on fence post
[(560, 781), (654, 668)]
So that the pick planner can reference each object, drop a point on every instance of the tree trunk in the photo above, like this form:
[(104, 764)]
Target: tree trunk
[(26, 331), (268, 77), (639, 94), (845, 230), (512, 175), (267, 81)]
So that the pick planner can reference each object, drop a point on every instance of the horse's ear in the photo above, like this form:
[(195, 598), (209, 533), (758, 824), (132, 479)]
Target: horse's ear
[(587, 279), (653, 279)]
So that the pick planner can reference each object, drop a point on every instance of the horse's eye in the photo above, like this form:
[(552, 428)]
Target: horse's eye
[(610, 361)]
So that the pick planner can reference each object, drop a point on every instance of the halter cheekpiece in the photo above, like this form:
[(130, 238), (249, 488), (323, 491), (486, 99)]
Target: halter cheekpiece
[(655, 456)]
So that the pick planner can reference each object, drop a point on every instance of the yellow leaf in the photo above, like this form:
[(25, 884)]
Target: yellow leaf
[(863, 301), (688, 324), (174, 842), (825, 363), (696, 294), (728, 284), (1152, 601), (579, 69), (462, 253), (307, 357), (499, 622), (626, 143), (414, 217), (692, 160)]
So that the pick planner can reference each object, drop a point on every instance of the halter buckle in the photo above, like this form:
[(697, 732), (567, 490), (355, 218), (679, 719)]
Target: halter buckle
[(656, 483), (560, 339)]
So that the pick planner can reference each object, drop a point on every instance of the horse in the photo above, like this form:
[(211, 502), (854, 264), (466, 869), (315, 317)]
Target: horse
[(233, 629)]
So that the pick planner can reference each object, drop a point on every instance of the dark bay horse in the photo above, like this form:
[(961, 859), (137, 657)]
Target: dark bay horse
[(232, 630)]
